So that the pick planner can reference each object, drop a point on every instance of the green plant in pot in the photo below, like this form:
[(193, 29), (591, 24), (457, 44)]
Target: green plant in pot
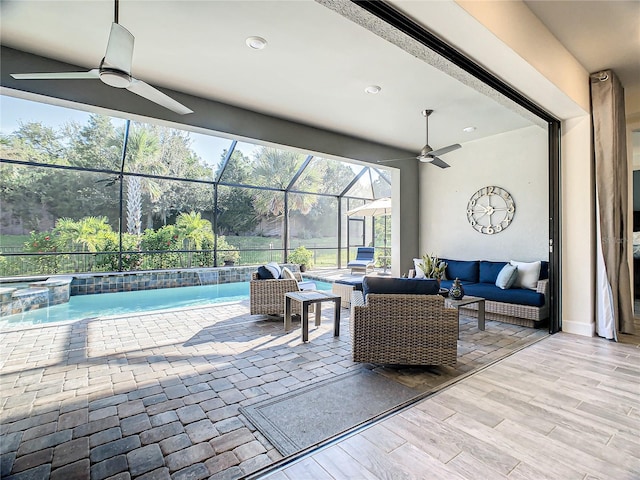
[(230, 257), (303, 257), (433, 267)]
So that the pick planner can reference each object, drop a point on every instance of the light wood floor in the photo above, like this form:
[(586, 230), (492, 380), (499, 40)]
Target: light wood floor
[(567, 407)]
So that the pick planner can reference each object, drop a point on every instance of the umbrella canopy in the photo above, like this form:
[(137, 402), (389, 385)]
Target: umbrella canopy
[(382, 206)]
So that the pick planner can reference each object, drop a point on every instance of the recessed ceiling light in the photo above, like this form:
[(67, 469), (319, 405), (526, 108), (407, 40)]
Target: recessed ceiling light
[(373, 89), (469, 129), (257, 43)]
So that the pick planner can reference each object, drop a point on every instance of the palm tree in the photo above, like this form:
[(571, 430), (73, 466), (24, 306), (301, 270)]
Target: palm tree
[(194, 231), (142, 157)]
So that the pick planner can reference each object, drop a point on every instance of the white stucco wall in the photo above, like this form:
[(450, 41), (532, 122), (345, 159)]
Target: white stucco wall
[(515, 161)]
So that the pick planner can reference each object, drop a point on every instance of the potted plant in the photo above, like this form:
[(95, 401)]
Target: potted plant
[(433, 267), (231, 256), (303, 257)]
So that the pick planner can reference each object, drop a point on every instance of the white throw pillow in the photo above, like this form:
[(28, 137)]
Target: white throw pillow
[(417, 263), (507, 276), (288, 274), (274, 268), (528, 274)]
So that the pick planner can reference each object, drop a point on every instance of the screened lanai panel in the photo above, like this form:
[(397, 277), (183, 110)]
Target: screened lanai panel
[(158, 150), (326, 175), (43, 133), (381, 181), (169, 221), (313, 224), (262, 166), (363, 187), (59, 218)]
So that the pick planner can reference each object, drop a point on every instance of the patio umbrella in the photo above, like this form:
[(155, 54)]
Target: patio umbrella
[(381, 206)]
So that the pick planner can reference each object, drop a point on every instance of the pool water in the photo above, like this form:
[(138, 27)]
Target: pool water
[(106, 304)]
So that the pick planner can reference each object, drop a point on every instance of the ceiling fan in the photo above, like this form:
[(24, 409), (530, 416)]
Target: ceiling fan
[(428, 154), (115, 70)]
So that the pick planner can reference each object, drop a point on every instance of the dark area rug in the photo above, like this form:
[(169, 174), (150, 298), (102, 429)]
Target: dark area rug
[(307, 416)]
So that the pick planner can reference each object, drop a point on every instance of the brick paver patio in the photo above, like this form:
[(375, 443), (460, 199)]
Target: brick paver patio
[(156, 396)]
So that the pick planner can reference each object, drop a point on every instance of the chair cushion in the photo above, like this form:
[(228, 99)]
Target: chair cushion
[(274, 268), (412, 286), (287, 274), (264, 273), (356, 283)]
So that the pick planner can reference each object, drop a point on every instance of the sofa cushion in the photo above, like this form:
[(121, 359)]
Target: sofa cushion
[(521, 296), (528, 274), (489, 271), (544, 270), (465, 270), (412, 286), (507, 276)]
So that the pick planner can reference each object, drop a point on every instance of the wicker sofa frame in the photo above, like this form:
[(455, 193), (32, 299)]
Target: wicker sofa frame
[(398, 329), (513, 313), (266, 297)]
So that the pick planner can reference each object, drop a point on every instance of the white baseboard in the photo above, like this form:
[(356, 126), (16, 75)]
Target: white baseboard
[(579, 328)]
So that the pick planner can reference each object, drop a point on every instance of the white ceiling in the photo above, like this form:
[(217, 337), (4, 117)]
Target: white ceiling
[(313, 71), (599, 34)]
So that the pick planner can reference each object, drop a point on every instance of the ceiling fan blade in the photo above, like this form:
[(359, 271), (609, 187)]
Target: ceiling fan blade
[(91, 74), (119, 48), (443, 150), (150, 93), (395, 160), (439, 163)]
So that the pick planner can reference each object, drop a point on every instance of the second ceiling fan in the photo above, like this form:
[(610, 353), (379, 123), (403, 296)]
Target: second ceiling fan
[(428, 154)]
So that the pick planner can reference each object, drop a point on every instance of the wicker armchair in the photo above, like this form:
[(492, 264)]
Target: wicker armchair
[(403, 329), (266, 297)]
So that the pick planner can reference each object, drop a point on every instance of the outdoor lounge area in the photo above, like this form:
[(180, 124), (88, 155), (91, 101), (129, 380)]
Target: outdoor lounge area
[(169, 394), (212, 212)]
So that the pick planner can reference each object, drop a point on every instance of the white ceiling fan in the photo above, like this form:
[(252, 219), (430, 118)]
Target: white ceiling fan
[(428, 154), (115, 70)]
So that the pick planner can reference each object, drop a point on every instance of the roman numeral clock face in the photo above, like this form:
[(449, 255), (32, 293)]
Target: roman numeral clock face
[(490, 210)]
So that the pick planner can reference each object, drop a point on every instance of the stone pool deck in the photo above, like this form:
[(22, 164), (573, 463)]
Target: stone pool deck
[(157, 395)]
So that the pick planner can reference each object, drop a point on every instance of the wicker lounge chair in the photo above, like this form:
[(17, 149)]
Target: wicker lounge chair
[(266, 297), (403, 329), (364, 260)]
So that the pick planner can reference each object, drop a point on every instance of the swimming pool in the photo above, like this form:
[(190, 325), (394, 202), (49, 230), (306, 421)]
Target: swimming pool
[(107, 304)]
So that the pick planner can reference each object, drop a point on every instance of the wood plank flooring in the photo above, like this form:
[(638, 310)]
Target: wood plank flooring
[(567, 407)]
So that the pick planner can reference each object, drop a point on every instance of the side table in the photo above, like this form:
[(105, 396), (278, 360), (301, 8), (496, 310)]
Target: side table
[(306, 298), (466, 300)]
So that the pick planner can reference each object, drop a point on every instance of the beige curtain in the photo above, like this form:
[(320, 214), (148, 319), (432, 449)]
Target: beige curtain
[(614, 310)]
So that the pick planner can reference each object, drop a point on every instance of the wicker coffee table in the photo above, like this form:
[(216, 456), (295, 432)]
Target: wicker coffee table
[(306, 298), (466, 300)]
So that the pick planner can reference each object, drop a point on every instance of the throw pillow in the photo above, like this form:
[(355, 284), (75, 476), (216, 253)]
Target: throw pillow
[(288, 274), (417, 263), (528, 274), (274, 268), (507, 276), (264, 273)]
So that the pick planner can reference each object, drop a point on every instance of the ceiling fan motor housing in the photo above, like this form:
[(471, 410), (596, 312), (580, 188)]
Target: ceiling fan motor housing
[(115, 78)]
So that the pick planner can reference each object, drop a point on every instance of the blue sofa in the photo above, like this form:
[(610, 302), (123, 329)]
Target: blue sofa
[(519, 306)]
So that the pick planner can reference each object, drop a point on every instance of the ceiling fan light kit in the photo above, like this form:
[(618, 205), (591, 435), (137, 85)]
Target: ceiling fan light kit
[(115, 70)]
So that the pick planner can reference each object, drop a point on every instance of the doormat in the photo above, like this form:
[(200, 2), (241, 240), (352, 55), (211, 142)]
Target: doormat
[(305, 417)]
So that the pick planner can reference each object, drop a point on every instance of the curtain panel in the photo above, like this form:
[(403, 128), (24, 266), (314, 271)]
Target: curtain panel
[(614, 309)]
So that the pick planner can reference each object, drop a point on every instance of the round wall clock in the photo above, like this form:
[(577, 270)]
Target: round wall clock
[(490, 210)]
